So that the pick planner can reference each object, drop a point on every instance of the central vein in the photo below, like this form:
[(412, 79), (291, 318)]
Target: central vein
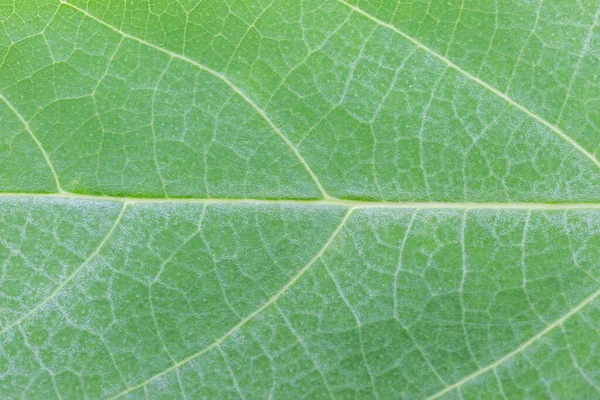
[(67, 197)]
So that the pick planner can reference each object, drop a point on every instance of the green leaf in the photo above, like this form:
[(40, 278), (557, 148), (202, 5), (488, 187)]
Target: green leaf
[(299, 199)]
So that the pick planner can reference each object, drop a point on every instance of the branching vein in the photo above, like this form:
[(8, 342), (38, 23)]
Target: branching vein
[(251, 316), (226, 80), (76, 271), (520, 349)]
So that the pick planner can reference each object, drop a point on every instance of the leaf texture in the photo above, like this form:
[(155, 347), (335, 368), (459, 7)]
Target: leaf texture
[(299, 199)]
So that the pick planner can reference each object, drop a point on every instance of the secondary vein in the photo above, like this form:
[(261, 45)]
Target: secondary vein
[(519, 349), (36, 140), (65, 282), (248, 318), (473, 78), (223, 78)]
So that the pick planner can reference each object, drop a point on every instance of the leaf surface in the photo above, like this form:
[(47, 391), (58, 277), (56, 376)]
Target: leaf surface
[(312, 199)]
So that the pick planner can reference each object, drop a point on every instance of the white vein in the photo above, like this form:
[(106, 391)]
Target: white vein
[(359, 324), (461, 288), (231, 373), (584, 50), (306, 351)]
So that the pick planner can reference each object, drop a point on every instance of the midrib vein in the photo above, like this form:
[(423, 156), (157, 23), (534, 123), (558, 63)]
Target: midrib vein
[(69, 197), (475, 79)]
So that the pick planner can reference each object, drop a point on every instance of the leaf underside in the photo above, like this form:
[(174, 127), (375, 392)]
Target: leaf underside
[(299, 199)]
